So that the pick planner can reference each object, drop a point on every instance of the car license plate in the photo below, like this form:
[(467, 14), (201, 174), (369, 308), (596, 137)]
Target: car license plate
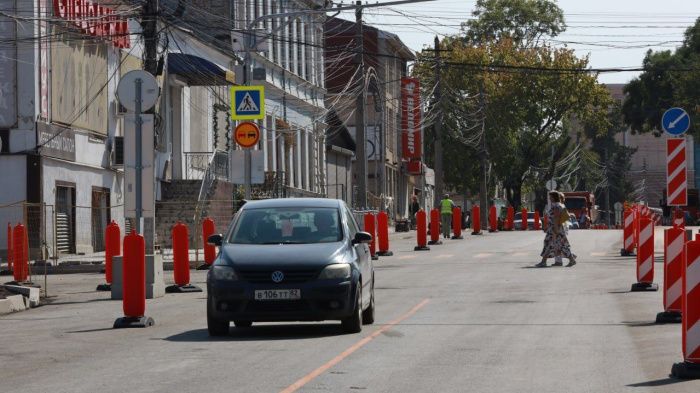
[(278, 294)]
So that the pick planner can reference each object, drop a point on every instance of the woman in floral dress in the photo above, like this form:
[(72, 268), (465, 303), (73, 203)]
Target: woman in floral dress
[(555, 242)]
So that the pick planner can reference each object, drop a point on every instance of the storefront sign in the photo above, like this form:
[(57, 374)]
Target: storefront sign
[(414, 167), (55, 141), (410, 118), (95, 20), (44, 59), (8, 73)]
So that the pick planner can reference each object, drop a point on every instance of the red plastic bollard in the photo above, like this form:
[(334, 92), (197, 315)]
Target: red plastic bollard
[(383, 234), (19, 256), (112, 248), (435, 227), (674, 244), (421, 235), (645, 257), (181, 254), (537, 221), (678, 218), (510, 219), (476, 220), (628, 233), (691, 303), (493, 219), (208, 229), (134, 276), (9, 246), (523, 218), (457, 223), (372, 230)]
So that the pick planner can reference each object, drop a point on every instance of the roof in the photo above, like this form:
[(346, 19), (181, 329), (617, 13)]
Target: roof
[(293, 202)]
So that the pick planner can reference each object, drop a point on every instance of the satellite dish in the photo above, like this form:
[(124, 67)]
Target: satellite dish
[(126, 91)]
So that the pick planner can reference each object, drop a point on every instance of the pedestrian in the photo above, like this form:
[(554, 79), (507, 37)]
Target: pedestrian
[(556, 243), (446, 206), (413, 209)]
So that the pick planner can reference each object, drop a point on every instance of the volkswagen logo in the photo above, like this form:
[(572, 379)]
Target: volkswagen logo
[(277, 276)]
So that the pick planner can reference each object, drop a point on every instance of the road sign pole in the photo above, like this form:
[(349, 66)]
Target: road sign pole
[(137, 118), (247, 169)]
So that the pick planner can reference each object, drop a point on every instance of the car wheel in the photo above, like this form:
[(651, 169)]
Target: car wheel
[(243, 324), (353, 323), (216, 327), (368, 314)]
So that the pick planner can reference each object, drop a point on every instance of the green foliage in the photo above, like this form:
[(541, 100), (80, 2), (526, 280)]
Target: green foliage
[(669, 79)]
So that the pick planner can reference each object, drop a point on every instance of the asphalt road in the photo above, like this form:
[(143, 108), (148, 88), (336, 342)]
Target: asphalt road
[(469, 315)]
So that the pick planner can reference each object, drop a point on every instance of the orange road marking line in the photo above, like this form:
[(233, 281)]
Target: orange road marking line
[(314, 374)]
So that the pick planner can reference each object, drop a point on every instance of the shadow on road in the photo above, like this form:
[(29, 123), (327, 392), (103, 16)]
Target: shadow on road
[(262, 333), (656, 382)]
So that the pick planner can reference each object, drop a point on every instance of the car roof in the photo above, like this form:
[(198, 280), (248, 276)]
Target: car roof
[(293, 202)]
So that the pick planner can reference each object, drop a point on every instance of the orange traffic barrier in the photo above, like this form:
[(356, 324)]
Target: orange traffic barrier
[(476, 220), (510, 219), (435, 227), (134, 283), (421, 232), (181, 261), (493, 219), (19, 254), (523, 218), (112, 249), (208, 229), (383, 234), (371, 228), (690, 367), (9, 246), (645, 257), (674, 244), (457, 223), (537, 221)]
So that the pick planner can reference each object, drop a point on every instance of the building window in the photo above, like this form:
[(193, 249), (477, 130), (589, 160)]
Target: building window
[(300, 48)]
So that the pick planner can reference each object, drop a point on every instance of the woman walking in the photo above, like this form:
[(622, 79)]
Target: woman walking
[(555, 242)]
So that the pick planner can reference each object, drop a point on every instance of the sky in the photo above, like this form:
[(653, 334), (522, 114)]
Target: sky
[(614, 33)]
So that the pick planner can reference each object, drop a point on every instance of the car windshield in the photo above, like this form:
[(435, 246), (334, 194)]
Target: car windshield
[(287, 225), (575, 203)]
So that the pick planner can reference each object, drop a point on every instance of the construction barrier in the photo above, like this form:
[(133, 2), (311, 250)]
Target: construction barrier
[(493, 219), (476, 220), (208, 229), (181, 261), (371, 228), (9, 246), (134, 283), (523, 219), (690, 367), (678, 219), (383, 234), (645, 257), (19, 254), (112, 249), (421, 232), (435, 227), (510, 219), (674, 244), (457, 223), (537, 221)]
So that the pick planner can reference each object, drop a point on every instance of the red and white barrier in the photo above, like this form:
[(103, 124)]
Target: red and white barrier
[(678, 219), (645, 257), (674, 245), (690, 368), (628, 234)]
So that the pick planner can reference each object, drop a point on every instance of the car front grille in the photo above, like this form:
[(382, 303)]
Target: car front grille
[(277, 306), (265, 276)]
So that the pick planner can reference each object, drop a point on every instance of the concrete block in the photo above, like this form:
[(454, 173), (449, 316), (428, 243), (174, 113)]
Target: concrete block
[(32, 294), (17, 303), (5, 307), (155, 284)]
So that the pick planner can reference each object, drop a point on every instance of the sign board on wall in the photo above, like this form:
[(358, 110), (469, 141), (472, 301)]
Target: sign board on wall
[(8, 72), (55, 141), (257, 168), (410, 119)]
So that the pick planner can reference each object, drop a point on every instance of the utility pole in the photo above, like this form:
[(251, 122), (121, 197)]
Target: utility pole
[(149, 24), (607, 177), (360, 151), (439, 173), (483, 157)]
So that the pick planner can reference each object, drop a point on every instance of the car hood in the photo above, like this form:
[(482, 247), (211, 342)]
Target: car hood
[(283, 255)]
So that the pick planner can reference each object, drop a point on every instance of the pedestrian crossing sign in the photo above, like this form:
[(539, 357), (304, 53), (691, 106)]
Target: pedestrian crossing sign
[(247, 102)]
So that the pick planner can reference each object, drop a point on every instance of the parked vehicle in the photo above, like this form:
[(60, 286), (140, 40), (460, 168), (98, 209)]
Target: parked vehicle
[(517, 221), (579, 202), (296, 259)]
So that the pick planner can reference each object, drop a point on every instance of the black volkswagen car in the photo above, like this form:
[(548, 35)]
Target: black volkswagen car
[(291, 260)]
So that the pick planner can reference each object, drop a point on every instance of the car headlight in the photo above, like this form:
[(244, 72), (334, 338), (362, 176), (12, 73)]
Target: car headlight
[(223, 272), (335, 271)]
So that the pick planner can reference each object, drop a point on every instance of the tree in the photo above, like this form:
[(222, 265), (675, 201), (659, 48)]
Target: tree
[(669, 79)]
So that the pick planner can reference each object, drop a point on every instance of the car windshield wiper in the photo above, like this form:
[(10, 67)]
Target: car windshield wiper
[(285, 242)]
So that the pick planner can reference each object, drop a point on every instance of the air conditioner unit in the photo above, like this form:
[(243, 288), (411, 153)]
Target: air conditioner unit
[(119, 110)]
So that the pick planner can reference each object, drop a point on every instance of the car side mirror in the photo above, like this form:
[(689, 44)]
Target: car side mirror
[(215, 240), (362, 237)]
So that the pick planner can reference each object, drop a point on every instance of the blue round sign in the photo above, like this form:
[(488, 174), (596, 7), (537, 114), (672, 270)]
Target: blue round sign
[(675, 121)]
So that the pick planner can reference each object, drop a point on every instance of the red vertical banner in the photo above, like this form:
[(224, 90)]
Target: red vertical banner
[(411, 144), (676, 177)]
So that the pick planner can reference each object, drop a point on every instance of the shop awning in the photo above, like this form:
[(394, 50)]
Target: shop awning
[(199, 71)]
